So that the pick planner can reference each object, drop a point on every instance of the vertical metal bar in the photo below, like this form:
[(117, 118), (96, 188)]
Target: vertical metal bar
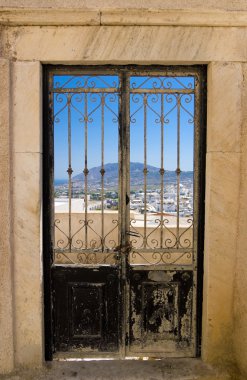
[(124, 217), (162, 171), (127, 159), (197, 165), (120, 195), (178, 171), (70, 171), (48, 207), (126, 331), (51, 147), (102, 171), (124, 159), (145, 171), (86, 168), (199, 195), (121, 305)]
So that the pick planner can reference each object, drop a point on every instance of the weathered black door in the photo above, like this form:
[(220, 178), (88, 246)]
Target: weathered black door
[(123, 210)]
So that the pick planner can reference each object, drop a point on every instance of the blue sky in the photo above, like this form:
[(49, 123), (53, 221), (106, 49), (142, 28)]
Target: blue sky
[(111, 125)]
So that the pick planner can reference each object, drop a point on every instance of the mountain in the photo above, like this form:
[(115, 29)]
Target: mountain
[(136, 175)]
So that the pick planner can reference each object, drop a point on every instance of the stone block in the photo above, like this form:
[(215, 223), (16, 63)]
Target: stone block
[(159, 16), (126, 44), (27, 263), (27, 110), (6, 299), (240, 290), (221, 220), (224, 107)]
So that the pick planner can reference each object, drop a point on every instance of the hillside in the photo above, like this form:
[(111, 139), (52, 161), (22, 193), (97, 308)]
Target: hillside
[(136, 175)]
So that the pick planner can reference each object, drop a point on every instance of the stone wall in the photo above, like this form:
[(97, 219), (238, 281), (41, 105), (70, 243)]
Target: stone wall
[(6, 257), (24, 48), (240, 304)]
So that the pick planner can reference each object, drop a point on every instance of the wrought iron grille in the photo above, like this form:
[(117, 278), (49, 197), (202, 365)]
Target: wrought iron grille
[(164, 102), (125, 103), (82, 102)]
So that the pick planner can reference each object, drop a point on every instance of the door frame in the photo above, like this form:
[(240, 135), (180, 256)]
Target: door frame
[(47, 185)]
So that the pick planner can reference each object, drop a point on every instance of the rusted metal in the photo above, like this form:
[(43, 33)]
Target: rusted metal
[(162, 170), (145, 171), (70, 170), (102, 171), (86, 171), (178, 171)]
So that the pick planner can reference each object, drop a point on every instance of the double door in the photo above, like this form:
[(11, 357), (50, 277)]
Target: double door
[(123, 210)]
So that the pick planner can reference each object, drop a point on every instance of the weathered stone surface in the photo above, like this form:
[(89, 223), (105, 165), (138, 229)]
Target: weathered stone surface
[(6, 312), (121, 16), (224, 107), (49, 17), (239, 5), (27, 112), (221, 220), (240, 304), (172, 17), (122, 44), (169, 369), (27, 262)]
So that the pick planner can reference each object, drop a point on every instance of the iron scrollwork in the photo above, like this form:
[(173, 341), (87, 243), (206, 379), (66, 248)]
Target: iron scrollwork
[(162, 97)]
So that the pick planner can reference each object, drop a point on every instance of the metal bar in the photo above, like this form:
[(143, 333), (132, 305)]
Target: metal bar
[(116, 90), (127, 159), (136, 70), (86, 90), (126, 330), (145, 171), (178, 171), (199, 196), (123, 174), (102, 171), (198, 209), (86, 168), (161, 91), (162, 171), (121, 304), (48, 209), (166, 267), (120, 138), (69, 171), (50, 165), (196, 167), (147, 250)]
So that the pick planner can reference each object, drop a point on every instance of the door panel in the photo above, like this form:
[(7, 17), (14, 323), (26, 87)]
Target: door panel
[(84, 109), (163, 196), (85, 309), (161, 313), (123, 210)]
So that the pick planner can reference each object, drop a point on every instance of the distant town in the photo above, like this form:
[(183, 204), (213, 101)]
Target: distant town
[(136, 202)]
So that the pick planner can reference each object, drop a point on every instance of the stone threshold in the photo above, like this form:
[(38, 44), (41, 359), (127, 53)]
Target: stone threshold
[(166, 369)]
